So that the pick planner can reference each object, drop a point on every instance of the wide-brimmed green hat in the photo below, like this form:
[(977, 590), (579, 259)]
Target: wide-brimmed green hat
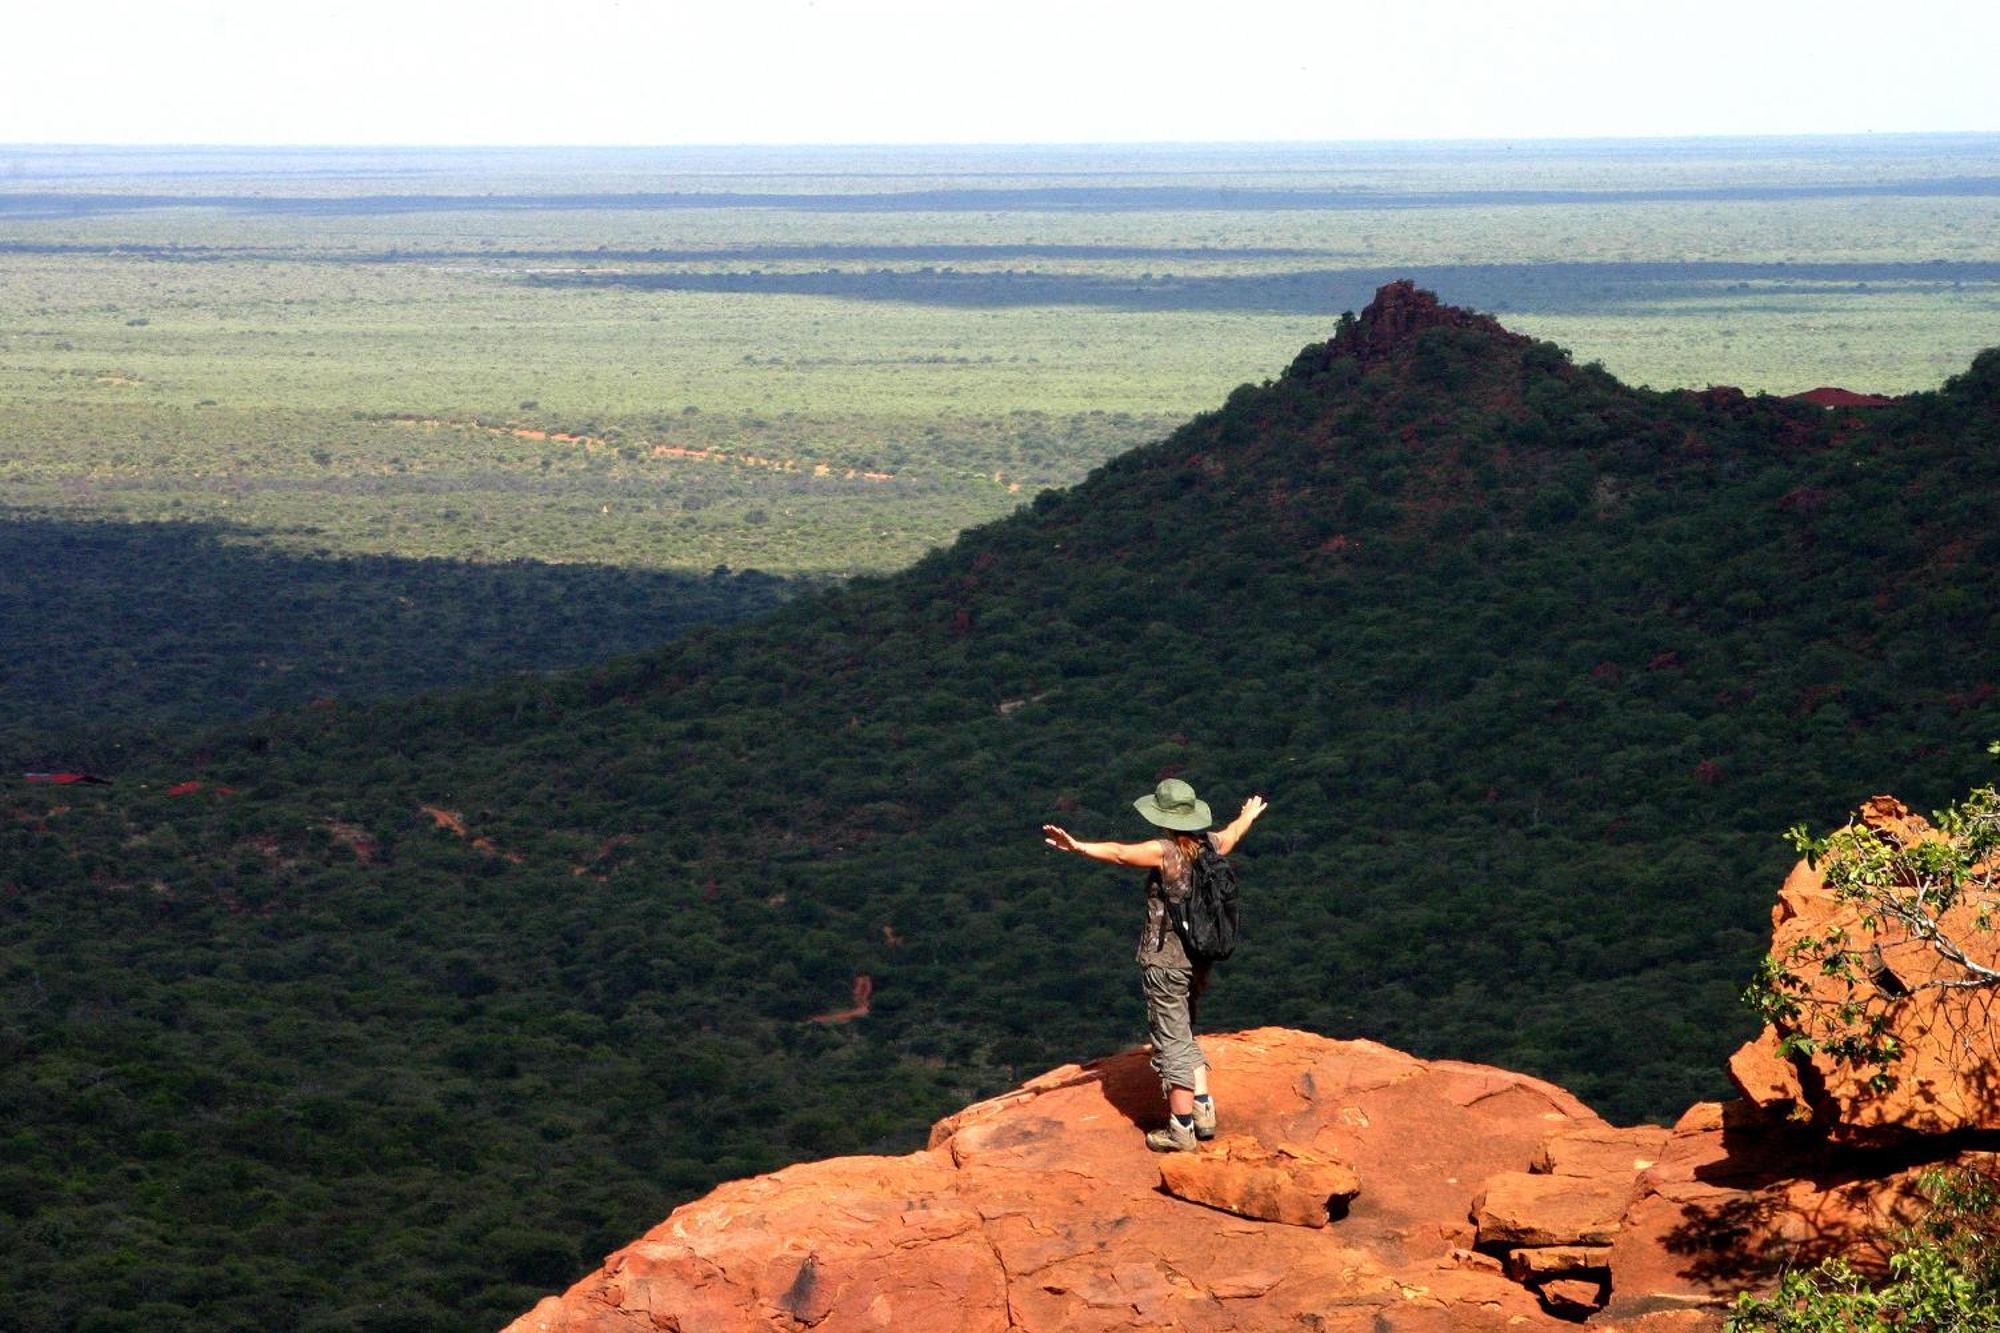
[(1173, 805)]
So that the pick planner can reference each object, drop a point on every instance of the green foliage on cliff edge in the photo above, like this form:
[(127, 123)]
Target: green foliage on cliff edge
[(1533, 666)]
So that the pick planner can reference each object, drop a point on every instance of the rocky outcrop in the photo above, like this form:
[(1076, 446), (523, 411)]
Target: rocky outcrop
[(1474, 1199), (1734, 1201), (1522, 1209), (1354, 1188), (1555, 1221), (1947, 1078), (1385, 327), (1829, 396), (1816, 1160), (1593, 1151), (1043, 1210)]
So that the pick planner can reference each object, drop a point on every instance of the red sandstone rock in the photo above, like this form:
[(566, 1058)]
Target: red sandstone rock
[(1529, 1208), (1463, 1258), (1726, 1210), (1701, 1116), (1948, 1076), (1573, 1297), (1602, 1151), (1767, 1078), (1041, 1210), (1660, 1321), (1532, 1265), (1240, 1175)]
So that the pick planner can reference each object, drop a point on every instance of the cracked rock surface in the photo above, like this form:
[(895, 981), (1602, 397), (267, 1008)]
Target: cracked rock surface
[(1043, 1210)]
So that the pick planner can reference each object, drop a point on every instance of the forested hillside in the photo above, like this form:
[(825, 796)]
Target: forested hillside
[(443, 998)]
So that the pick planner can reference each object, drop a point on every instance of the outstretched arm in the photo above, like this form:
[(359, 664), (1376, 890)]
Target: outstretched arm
[(1226, 840), (1118, 853)]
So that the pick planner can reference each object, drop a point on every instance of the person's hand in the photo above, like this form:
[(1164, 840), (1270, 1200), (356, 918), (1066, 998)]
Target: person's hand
[(1058, 839), (1252, 808)]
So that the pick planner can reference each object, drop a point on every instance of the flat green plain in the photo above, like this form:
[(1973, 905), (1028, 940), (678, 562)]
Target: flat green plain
[(829, 361)]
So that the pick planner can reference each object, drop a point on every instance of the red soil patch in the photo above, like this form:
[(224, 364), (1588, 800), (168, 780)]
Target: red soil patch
[(454, 821), (864, 991), (491, 848), (450, 819), (359, 840)]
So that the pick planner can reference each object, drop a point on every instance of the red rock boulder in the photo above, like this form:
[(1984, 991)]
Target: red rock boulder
[(1947, 1077), (1240, 1175), (1527, 1208), (1732, 1203)]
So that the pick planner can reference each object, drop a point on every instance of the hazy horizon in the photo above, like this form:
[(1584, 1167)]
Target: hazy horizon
[(788, 72), (922, 144)]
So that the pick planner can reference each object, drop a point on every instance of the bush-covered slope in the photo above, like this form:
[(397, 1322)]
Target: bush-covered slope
[(1533, 667)]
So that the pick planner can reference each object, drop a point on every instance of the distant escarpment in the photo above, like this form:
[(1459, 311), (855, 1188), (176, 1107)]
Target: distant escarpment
[(1533, 666), (1354, 1189)]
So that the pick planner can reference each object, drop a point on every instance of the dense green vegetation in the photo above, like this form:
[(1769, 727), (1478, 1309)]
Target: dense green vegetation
[(445, 997)]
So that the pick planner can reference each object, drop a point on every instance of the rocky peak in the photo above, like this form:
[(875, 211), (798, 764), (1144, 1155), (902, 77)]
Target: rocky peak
[(1389, 326)]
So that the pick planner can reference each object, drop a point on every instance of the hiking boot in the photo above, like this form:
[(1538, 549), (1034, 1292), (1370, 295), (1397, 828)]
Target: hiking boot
[(1204, 1119), (1176, 1137)]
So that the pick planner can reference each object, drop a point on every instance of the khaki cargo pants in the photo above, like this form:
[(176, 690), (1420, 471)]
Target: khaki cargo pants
[(1171, 995)]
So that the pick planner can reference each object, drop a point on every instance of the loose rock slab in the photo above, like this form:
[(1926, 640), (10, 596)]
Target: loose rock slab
[(1533, 1265), (1602, 1151), (1571, 1297), (1523, 1208), (1240, 1175)]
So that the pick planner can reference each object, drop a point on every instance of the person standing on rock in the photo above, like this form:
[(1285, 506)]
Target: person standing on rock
[(1171, 982)]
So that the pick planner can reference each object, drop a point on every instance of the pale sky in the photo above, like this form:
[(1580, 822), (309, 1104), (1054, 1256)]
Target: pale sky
[(986, 71)]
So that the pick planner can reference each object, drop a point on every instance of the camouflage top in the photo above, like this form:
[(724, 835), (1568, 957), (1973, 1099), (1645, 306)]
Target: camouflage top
[(1159, 946)]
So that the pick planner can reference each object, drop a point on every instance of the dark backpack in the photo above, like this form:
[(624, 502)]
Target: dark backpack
[(1206, 919)]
